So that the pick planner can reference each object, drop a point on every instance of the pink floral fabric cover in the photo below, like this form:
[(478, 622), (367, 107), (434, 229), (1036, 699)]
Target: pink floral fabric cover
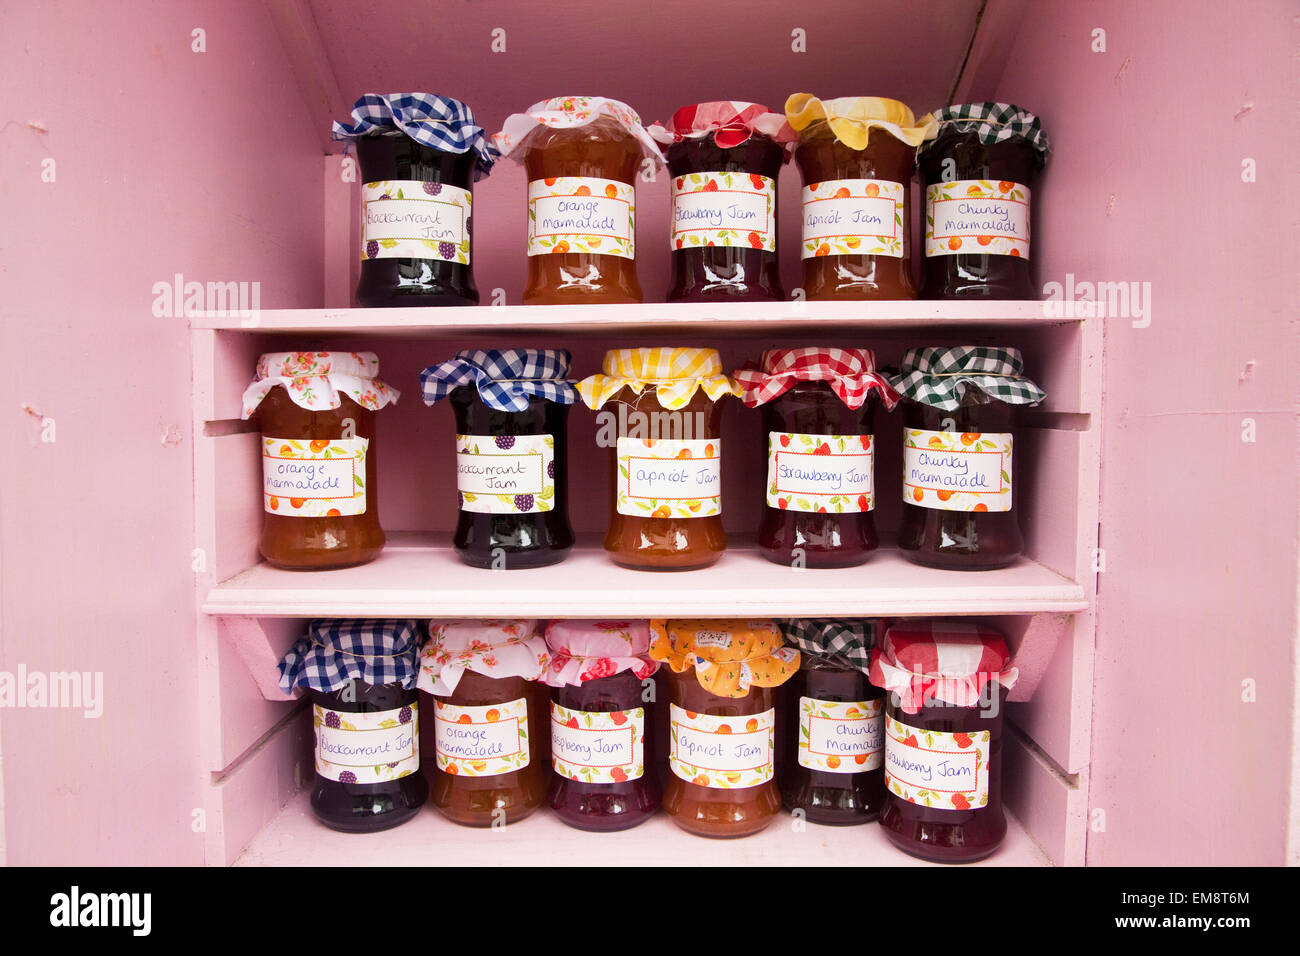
[(313, 380), (569, 112), (490, 648), (588, 650)]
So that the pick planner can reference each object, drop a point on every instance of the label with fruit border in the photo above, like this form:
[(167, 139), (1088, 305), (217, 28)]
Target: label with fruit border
[(320, 478), (724, 209), (977, 216), (581, 214), (853, 217), (934, 769), (407, 219), (480, 741), (841, 737), (367, 748), (505, 474), (832, 473), (598, 747), (669, 478), (724, 753), (957, 471)]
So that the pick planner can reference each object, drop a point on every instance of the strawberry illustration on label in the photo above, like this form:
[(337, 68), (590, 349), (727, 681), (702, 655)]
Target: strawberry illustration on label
[(757, 180), (963, 740), (960, 802), (618, 717), (710, 187), (619, 775)]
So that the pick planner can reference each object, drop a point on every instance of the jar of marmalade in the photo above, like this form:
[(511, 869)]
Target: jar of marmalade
[(581, 154), (511, 453), (958, 471), (319, 488), (420, 155), (947, 686), (856, 155), (658, 415), (818, 405), (361, 679), (722, 684)]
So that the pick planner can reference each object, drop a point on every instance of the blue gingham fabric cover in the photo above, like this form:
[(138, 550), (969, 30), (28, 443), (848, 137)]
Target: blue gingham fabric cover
[(505, 378), (439, 122), (333, 653)]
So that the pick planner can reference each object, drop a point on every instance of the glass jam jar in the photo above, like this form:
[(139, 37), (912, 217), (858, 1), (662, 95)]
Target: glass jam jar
[(360, 676), (319, 489), (725, 159), (943, 738), (958, 470), (491, 721), (818, 406), (722, 722), (978, 177), (602, 728), (419, 155), (658, 414), (856, 156), (581, 155), (511, 407)]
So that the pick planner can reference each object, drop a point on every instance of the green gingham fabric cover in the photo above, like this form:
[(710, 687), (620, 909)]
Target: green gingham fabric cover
[(846, 642), (993, 123), (939, 376)]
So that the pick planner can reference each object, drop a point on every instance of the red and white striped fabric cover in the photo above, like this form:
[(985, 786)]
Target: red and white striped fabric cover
[(948, 661)]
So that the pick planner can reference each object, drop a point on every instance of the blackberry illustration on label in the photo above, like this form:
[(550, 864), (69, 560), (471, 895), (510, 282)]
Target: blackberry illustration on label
[(415, 220), (367, 747), (505, 474)]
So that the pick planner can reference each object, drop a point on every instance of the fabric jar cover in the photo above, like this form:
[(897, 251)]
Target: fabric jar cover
[(313, 380), (438, 122), (730, 124), (491, 648), (753, 653), (995, 123), (851, 374), (939, 376), (333, 653), (952, 662), (589, 650), (675, 372), (852, 118), (571, 112), (505, 378), (845, 642)]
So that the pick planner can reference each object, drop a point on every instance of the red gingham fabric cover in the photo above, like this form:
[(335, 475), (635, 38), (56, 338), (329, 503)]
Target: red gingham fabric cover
[(851, 373), (732, 123), (941, 660)]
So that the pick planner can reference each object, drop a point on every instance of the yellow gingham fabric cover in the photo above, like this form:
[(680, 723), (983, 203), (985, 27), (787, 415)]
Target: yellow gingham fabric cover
[(676, 373)]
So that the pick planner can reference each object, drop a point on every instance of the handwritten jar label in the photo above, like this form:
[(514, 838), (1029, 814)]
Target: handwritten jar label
[(853, 217), (581, 214), (367, 748), (669, 478), (724, 209), (481, 741), (401, 218), (505, 474), (840, 737), (977, 216), (934, 769), (957, 471), (598, 747), (314, 478), (725, 753), (832, 473)]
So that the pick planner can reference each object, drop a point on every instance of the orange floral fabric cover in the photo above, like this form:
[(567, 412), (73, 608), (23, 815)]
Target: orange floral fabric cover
[(729, 656)]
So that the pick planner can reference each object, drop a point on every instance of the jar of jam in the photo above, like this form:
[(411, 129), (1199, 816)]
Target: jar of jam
[(658, 415), (512, 485), (420, 155), (581, 155), (856, 155), (831, 749), (978, 176), (319, 488), (958, 472), (818, 405), (947, 686), (725, 159), (601, 724), (490, 719), (360, 676)]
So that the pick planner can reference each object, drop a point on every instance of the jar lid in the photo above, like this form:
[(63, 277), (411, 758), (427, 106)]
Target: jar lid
[(313, 380), (571, 112), (852, 118), (729, 122), (994, 123), (589, 650), (846, 642), (949, 661), (729, 656), (438, 122), (505, 378), (675, 372), (491, 648), (333, 653), (939, 376), (851, 374)]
